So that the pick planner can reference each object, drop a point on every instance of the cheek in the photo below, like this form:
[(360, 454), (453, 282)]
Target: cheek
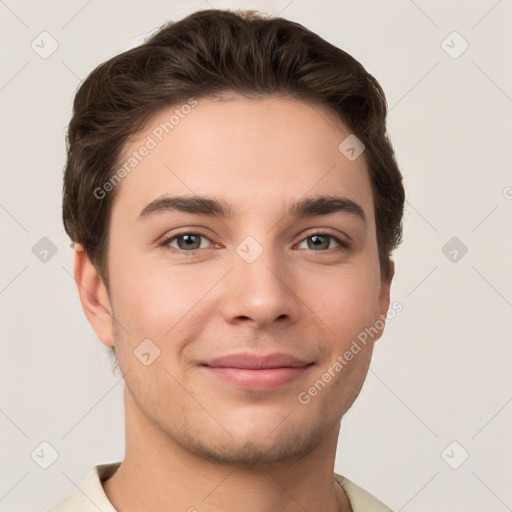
[(157, 301), (347, 301), (142, 299)]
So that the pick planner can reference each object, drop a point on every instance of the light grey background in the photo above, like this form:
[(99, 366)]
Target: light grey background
[(441, 372)]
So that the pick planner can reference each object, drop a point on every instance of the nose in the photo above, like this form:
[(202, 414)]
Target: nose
[(260, 292)]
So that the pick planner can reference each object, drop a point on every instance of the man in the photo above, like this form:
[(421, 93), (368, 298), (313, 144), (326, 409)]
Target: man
[(234, 201)]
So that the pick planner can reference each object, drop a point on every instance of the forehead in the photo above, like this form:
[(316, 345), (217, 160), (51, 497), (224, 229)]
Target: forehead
[(253, 153)]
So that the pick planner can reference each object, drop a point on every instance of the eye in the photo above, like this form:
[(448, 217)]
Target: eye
[(186, 242), (323, 241), (189, 242)]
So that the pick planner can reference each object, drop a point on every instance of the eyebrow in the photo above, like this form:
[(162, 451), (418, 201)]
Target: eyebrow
[(200, 205)]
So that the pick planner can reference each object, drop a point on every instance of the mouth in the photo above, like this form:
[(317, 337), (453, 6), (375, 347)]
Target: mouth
[(256, 372)]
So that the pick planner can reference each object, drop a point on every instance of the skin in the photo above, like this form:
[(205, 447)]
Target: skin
[(193, 440)]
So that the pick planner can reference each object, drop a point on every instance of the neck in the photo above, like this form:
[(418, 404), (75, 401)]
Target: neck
[(157, 472)]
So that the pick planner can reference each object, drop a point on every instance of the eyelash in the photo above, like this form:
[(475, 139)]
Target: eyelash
[(343, 246)]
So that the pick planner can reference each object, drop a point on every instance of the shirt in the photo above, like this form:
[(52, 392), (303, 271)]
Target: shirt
[(91, 497)]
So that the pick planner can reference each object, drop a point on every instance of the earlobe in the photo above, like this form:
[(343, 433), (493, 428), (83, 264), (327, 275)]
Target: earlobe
[(93, 296)]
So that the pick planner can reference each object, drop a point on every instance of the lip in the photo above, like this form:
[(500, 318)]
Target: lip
[(251, 361), (257, 372)]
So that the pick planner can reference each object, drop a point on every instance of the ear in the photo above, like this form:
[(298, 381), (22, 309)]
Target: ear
[(384, 298), (93, 296)]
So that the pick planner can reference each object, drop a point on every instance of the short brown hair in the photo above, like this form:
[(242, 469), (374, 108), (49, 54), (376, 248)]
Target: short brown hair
[(205, 54)]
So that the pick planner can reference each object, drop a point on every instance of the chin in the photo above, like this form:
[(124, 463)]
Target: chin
[(258, 444)]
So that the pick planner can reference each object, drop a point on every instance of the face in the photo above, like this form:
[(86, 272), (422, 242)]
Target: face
[(283, 291)]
